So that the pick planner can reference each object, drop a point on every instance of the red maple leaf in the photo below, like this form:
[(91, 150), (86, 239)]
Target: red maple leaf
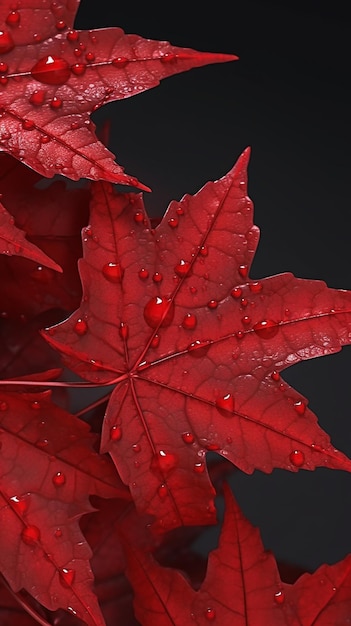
[(242, 586), (194, 347), (48, 470), (52, 77)]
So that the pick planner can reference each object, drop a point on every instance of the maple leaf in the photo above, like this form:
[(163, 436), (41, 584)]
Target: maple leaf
[(48, 470), (13, 241), (242, 586), (53, 218), (194, 347), (52, 77)]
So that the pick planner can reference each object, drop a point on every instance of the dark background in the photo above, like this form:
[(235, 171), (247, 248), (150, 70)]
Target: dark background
[(288, 98)]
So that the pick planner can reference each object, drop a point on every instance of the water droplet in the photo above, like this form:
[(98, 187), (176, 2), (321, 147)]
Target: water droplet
[(236, 292), (61, 25), (297, 458), (3, 406), (116, 433), (188, 438), (246, 320), (244, 302), (225, 404), (199, 468), (38, 97), (139, 217), (173, 222), (155, 341), (300, 407), (279, 597), (255, 287), (243, 270), (3, 67), (72, 35), (210, 614), (45, 139), (51, 70), (212, 447), (143, 274), (67, 576), (162, 491), (204, 250), (80, 327), (159, 311), (182, 268), (119, 62), (20, 504), (35, 405), (157, 277), (212, 304), (189, 322), (6, 42), (58, 533), (136, 448), (164, 462), (28, 125), (113, 272), (123, 330), (56, 103), (275, 376), (30, 535), (267, 329), (13, 19), (90, 57), (59, 479), (78, 69), (199, 348)]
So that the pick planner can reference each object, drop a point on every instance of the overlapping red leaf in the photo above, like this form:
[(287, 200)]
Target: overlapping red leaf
[(194, 347)]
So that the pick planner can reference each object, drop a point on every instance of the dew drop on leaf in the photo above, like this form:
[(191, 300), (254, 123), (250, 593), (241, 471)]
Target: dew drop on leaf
[(188, 438), (198, 349), (72, 35), (123, 330), (136, 447), (199, 468), (59, 479), (143, 274), (243, 271), (225, 404), (173, 222), (182, 268), (162, 491), (119, 62), (210, 614), (300, 407), (13, 19), (212, 304), (20, 504), (275, 376), (279, 597), (164, 462), (267, 329), (116, 433), (157, 311), (139, 217), (37, 98), (51, 70), (30, 535), (78, 69), (58, 533), (189, 322), (236, 292), (246, 320), (155, 341), (255, 287), (112, 272), (56, 103), (28, 125), (6, 42), (80, 327), (35, 405), (67, 577), (297, 458)]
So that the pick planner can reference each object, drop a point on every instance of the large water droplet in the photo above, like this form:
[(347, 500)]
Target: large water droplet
[(243, 270), (255, 287), (210, 614), (157, 277), (6, 42), (225, 405), (236, 292), (13, 19), (297, 458), (37, 97), (143, 274), (51, 70), (300, 407), (20, 504), (199, 468), (267, 329), (159, 310), (67, 577), (78, 69), (30, 535), (113, 272), (279, 597), (275, 376), (199, 349), (182, 268), (119, 62)]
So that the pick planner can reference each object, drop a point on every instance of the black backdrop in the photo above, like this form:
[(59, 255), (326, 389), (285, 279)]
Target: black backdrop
[(288, 98)]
